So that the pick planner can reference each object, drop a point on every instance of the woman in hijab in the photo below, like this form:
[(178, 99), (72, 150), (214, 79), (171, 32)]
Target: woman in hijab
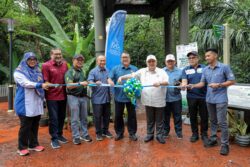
[(29, 102)]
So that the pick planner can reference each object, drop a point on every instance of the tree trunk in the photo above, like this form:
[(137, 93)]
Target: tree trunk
[(33, 29)]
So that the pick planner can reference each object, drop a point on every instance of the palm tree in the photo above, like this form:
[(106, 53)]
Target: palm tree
[(237, 15)]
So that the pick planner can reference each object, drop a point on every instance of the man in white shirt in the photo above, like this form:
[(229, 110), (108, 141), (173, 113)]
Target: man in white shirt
[(153, 97)]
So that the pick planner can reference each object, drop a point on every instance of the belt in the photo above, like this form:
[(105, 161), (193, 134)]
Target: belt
[(79, 95)]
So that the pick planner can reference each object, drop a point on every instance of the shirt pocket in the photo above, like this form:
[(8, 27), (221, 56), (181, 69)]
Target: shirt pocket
[(218, 78)]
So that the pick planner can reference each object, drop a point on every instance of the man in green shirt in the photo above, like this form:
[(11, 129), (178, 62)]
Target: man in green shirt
[(77, 100)]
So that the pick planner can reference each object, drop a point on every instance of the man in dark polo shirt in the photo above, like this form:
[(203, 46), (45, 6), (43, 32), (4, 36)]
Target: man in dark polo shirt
[(77, 100), (196, 98), (53, 72), (218, 77), (100, 98), (121, 100)]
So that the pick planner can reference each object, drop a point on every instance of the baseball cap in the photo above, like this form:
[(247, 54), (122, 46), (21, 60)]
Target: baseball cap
[(76, 56), (150, 57), (192, 53), (170, 57)]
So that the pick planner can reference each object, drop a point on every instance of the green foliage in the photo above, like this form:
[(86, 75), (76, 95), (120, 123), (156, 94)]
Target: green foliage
[(89, 65), (236, 126), (144, 36), (61, 40), (5, 69), (237, 15), (29, 18), (70, 12), (53, 22)]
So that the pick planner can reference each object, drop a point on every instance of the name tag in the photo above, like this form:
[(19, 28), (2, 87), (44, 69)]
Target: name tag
[(190, 71), (199, 70)]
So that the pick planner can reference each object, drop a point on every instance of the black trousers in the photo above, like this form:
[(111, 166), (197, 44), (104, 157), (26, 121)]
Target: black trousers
[(101, 117), (175, 108), (119, 123), (57, 113), (196, 106), (28, 132), (154, 118)]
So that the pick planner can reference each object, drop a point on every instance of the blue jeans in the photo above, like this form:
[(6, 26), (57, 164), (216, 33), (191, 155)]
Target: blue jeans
[(174, 107), (218, 116), (78, 112)]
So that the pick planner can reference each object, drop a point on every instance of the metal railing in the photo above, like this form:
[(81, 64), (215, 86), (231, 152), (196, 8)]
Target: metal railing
[(4, 90)]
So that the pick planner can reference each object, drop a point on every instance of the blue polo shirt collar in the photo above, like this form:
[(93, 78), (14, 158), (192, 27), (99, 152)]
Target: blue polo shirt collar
[(218, 64), (123, 67), (101, 69), (199, 65), (174, 69)]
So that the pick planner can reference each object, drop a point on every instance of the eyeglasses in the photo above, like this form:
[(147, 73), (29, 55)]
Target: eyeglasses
[(151, 61), (80, 60), (32, 59)]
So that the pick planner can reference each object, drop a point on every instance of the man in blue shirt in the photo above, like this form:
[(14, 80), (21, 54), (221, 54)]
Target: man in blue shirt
[(121, 100), (173, 98), (196, 97), (100, 98), (218, 77)]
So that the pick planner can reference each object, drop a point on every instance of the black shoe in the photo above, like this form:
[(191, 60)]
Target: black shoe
[(205, 140), (86, 138), (62, 139), (211, 143), (224, 150), (165, 135), (133, 137), (99, 137), (160, 140), (77, 141), (148, 138), (203, 137), (55, 144), (108, 135), (118, 137), (194, 138)]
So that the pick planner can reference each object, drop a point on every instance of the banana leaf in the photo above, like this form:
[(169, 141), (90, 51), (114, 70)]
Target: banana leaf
[(53, 22)]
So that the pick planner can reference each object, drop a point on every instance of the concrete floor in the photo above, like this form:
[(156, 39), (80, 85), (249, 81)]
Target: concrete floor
[(124, 153)]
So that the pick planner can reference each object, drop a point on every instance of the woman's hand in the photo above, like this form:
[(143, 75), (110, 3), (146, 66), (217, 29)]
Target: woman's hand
[(45, 86)]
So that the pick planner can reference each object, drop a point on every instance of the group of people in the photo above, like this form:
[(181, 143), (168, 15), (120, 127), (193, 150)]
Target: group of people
[(206, 94)]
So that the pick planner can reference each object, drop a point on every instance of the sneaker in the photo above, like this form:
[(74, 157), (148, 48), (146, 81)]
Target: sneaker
[(160, 140), (179, 136), (108, 135), (99, 137), (77, 141), (55, 144), (194, 138), (23, 152), (86, 138), (133, 137), (62, 139), (37, 148), (224, 150), (148, 138), (211, 143)]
